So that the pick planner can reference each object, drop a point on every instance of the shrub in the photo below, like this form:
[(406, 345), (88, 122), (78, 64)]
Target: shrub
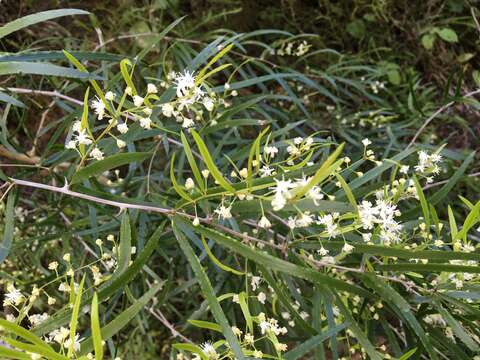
[(185, 199)]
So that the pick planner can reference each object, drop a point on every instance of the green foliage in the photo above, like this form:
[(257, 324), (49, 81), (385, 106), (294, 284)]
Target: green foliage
[(209, 190)]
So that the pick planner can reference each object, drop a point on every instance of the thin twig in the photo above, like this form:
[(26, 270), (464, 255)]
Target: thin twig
[(438, 112), (159, 315), (122, 206), (428, 186)]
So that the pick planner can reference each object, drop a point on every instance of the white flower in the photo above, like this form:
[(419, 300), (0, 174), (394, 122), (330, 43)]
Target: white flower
[(205, 173), (271, 151), (208, 103), (72, 144), (282, 193), (255, 282), (329, 222), (223, 212), (184, 82), (77, 126), (146, 123), (96, 153), (292, 222), (187, 122), (266, 171), (366, 237), (138, 100), (109, 96), (13, 296), (404, 169), (323, 251), (264, 223), (293, 150), (76, 343), (167, 110), (99, 107), (122, 128), (196, 221), (83, 138), (189, 184), (367, 213), (209, 350), (298, 140), (304, 220), (366, 142), (347, 248), (121, 143), (261, 297), (58, 335), (428, 163), (36, 319), (151, 89)]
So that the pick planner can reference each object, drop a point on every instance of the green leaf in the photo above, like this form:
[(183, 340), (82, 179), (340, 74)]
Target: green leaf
[(428, 40), (75, 312), (83, 69), (206, 325), (429, 268), (34, 349), (423, 203), (126, 74), (96, 331), (192, 348), (84, 121), (9, 227), (347, 191), (453, 224), (125, 246), (408, 354), (448, 35), (193, 164), (11, 100), (24, 334), (323, 172), (210, 164), (207, 290), (121, 320), (216, 261), (110, 162), (175, 185), (21, 67), (313, 342), (243, 300), (59, 55), (201, 75), (472, 218), (28, 20), (13, 354), (379, 250)]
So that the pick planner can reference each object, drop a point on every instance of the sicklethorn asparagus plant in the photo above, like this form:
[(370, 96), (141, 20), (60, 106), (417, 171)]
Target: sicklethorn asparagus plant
[(298, 250)]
